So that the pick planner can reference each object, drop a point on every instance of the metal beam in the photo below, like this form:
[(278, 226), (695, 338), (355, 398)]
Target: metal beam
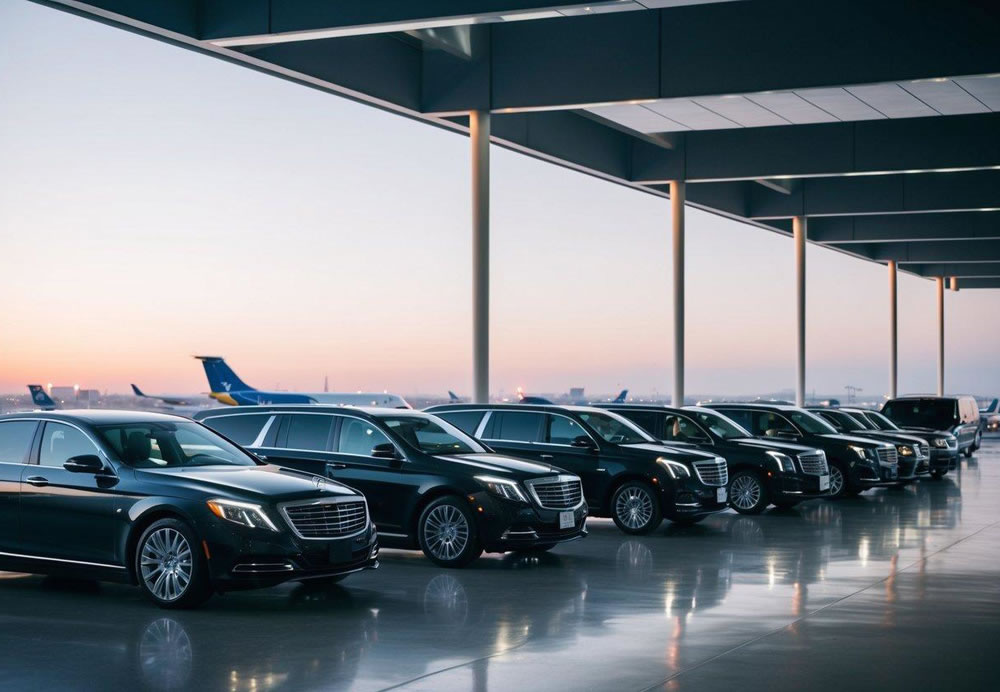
[(905, 227), (980, 283), (933, 251), (964, 270)]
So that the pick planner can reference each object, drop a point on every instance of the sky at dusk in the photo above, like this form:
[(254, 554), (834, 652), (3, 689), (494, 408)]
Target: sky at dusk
[(156, 203)]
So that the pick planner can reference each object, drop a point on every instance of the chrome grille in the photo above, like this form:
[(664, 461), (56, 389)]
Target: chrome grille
[(814, 463), (558, 492), (887, 455), (925, 450), (712, 472), (327, 518)]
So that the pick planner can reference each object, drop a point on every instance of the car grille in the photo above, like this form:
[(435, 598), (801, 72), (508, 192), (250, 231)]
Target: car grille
[(925, 450), (814, 464), (327, 519), (561, 492), (887, 456), (712, 472)]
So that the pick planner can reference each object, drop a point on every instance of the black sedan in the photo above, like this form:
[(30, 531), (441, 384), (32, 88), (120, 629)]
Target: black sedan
[(167, 504), (913, 453), (761, 472), (429, 485)]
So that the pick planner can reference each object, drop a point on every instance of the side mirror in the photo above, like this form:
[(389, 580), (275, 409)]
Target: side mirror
[(583, 442), (85, 463), (385, 450)]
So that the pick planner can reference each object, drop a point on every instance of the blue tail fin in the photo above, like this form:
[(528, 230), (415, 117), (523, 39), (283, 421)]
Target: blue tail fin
[(138, 392), (992, 408), (221, 377), (452, 396), (620, 399), (40, 397)]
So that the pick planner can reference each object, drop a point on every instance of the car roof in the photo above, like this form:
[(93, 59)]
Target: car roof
[(513, 407), (373, 411), (99, 416), (751, 405)]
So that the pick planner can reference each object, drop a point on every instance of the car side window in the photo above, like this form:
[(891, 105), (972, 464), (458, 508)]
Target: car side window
[(562, 430), (766, 421), (681, 429), (647, 420), (466, 421), (61, 442), (309, 432), (517, 426), (741, 416), (359, 437), (15, 440), (240, 428)]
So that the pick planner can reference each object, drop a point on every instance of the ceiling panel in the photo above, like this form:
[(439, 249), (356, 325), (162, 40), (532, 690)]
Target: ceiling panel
[(945, 96), (635, 117), (986, 89), (792, 107), (690, 114), (741, 110), (840, 104), (892, 100)]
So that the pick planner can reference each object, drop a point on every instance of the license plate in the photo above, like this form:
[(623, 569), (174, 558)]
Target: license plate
[(566, 520), (824, 482), (340, 551), (720, 494)]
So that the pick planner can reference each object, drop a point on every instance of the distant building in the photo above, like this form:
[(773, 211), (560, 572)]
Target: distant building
[(576, 392), (63, 394)]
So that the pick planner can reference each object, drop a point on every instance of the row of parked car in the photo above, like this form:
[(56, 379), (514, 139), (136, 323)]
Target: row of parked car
[(258, 495)]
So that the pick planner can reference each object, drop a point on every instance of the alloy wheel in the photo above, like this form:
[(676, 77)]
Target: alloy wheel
[(745, 492), (634, 507), (836, 481), (166, 564), (446, 532)]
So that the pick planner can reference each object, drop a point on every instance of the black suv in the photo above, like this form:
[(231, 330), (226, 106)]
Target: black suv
[(943, 445), (912, 452), (429, 485), (856, 463), (165, 503), (958, 415), (761, 472), (627, 474)]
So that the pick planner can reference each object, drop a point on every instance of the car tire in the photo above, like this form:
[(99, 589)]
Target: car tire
[(968, 451), (838, 481), (978, 442), (170, 566), (447, 532), (635, 508), (747, 493)]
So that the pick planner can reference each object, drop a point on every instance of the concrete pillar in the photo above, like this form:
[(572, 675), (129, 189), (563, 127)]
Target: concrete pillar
[(479, 138), (799, 236), (940, 311), (893, 341), (954, 283), (677, 193)]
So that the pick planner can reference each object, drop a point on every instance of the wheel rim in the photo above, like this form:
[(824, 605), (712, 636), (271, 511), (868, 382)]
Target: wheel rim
[(745, 492), (634, 507), (446, 532), (166, 564), (836, 481)]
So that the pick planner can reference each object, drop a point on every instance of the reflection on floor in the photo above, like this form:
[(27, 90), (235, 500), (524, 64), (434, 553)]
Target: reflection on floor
[(891, 590)]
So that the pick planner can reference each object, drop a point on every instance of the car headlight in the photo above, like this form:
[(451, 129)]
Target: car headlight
[(245, 513), (783, 461), (940, 442), (905, 451), (675, 468), (860, 451), (503, 487)]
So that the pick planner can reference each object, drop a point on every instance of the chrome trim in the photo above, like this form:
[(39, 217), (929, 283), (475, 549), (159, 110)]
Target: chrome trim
[(530, 533), (98, 445), (59, 559), (481, 428), (263, 567), (717, 465), (393, 535), (561, 478), (259, 440), (282, 507)]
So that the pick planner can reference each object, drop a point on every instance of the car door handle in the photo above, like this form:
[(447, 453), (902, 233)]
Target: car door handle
[(37, 481), (546, 457), (336, 466)]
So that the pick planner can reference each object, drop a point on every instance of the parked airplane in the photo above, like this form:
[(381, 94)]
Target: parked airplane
[(226, 387), (453, 398), (620, 399), (170, 399), (522, 398), (991, 416), (41, 398)]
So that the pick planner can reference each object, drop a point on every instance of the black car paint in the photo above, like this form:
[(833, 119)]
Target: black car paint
[(965, 423), (740, 453), (606, 465), (910, 466), (87, 524), (397, 490), (944, 445)]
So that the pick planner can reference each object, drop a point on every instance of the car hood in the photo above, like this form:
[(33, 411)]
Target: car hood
[(677, 453), (267, 482), (932, 432), (498, 465), (774, 445), (894, 437)]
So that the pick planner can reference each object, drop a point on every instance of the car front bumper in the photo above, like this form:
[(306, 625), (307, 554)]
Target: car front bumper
[(944, 459), (505, 526), (796, 486), (688, 498)]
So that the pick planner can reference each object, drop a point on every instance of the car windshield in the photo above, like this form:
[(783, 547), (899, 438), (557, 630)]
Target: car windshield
[(880, 421), (432, 435), (615, 429), (843, 421), (861, 420), (810, 422), (170, 445), (937, 414), (720, 426)]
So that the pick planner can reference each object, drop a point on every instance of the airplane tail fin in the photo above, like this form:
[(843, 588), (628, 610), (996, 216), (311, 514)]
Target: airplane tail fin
[(452, 396), (221, 377), (138, 392), (992, 408), (40, 396), (620, 399)]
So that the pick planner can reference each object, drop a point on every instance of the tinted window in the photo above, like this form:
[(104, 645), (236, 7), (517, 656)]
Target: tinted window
[(742, 417), (15, 439), (152, 445), (466, 421), (766, 421), (647, 420), (520, 427), (841, 421), (923, 413), (431, 436), (562, 430), (359, 437), (241, 429), (61, 442), (683, 430), (615, 429), (309, 432)]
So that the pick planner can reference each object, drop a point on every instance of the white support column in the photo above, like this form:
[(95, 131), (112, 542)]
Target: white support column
[(479, 138), (677, 193), (940, 310), (954, 283), (893, 331), (799, 235)]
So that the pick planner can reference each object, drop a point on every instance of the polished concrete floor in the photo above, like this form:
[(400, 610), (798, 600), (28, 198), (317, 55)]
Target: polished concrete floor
[(891, 590)]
